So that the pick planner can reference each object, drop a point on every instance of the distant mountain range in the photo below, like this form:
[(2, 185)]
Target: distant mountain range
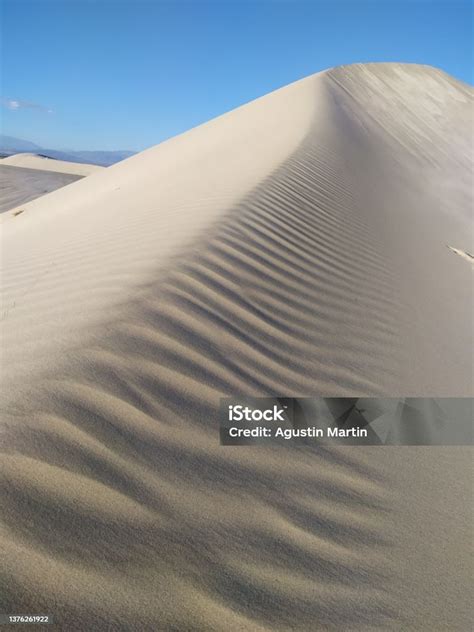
[(10, 145)]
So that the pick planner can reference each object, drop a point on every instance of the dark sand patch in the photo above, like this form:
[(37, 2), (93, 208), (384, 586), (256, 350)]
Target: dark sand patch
[(19, 185)]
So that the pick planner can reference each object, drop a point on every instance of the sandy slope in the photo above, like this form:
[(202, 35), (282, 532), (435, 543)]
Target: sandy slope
[(20, 185), (34, 161), (296, 245)]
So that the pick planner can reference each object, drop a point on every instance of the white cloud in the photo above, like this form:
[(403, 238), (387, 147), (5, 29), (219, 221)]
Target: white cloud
[(18, 104)]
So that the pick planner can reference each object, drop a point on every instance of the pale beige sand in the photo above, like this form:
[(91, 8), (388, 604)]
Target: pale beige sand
[(34, 161), (294, 246), (20, 185), (465, 255)]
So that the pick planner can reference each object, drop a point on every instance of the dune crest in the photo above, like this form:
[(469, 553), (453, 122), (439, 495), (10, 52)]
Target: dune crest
[(294, 246), (43, 163)]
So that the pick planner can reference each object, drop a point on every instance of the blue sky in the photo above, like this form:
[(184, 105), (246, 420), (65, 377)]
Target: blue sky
[(120, 74)]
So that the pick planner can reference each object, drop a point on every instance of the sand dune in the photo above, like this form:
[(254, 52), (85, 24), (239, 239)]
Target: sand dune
[(35, 161), (18, 186), (296, 246)]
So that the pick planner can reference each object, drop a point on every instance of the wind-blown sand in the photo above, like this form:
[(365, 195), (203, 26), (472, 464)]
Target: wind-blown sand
[(43, 163), (20, 185), (294, 246)]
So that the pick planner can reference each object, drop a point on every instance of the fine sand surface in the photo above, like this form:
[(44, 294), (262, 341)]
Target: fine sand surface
[(20, 185), (299, 245), (35, 161)]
